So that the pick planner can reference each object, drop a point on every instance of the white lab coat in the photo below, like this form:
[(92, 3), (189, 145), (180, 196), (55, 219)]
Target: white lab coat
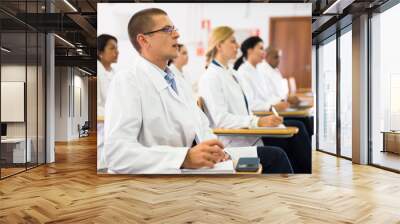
[(258, 91), (148, 127), (194, 85), (275, 80), (104, 79), (176, 72), (226, 107)]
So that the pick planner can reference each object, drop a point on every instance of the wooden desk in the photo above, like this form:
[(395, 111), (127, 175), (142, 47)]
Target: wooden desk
[(277, 133), (295, 113), (306, 98), (304, 90), (258, 172)]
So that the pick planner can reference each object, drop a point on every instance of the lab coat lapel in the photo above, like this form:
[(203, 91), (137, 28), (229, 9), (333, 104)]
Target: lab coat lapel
[(156, 75)]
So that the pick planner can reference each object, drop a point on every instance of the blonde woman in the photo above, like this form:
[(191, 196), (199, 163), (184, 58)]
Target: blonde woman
[(228, 107)]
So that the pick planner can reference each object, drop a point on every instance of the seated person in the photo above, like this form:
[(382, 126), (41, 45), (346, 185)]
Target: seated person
[(152, 122), (176, 65), (268, 69), (228, 107), (107, 54), (258, 91), (273, 77)]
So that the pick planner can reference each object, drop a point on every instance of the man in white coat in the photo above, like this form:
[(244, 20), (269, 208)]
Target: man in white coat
[(279, 86), (152, 122), (276, 83)]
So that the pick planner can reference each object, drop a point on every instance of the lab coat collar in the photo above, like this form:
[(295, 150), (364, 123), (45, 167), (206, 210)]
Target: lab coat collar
[(226, 71), (100, 67), (174, 69), (247, 63), (270, 67), (218, 64), (156, 76), (102, 70)]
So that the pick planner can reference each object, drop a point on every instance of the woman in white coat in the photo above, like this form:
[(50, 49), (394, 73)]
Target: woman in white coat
[(152, 122), (107, 54), (176, 65), (228, 106), (258, 91)]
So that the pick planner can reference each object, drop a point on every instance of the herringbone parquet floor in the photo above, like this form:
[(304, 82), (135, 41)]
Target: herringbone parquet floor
[(70, 191)]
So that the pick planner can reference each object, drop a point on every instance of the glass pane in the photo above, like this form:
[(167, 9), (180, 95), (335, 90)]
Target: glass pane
[(41, 99), (386, 89), (14, 153), (31, 97), (327, 97), (32, 83), (346, 94)]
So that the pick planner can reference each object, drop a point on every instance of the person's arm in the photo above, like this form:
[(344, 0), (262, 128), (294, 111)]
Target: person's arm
[(284, 90), (123, 121), (211, 90)]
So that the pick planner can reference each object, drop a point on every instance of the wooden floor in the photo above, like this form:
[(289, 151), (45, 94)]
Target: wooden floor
[(10, 171), (70, 191), (387, 159)]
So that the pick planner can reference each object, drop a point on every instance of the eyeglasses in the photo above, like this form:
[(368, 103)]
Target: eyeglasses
[(166, 29)]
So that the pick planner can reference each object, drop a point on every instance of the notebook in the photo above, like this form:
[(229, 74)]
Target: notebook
[(304, 105), (225, 167), (281, 126)]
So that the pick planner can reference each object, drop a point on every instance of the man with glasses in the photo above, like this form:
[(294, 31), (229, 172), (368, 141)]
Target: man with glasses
[(152, 122)]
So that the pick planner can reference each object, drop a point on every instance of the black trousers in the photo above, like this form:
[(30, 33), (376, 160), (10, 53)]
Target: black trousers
[(297, 148), (274, 160), (307, 121)]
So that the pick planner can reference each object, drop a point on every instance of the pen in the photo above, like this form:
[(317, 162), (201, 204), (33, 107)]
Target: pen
[(229, 156), (274, 111)]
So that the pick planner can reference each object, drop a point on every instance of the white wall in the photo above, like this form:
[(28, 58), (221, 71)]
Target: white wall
[(68, 82), (62, 81), (187, 17), (15, 72), (33, 127)]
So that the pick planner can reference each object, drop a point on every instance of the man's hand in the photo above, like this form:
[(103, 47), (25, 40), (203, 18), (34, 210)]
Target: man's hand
[(205, 154), (270, 121), (281, 106)]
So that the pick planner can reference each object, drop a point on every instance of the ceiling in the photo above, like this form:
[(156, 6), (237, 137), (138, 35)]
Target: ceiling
[(76, 23)]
